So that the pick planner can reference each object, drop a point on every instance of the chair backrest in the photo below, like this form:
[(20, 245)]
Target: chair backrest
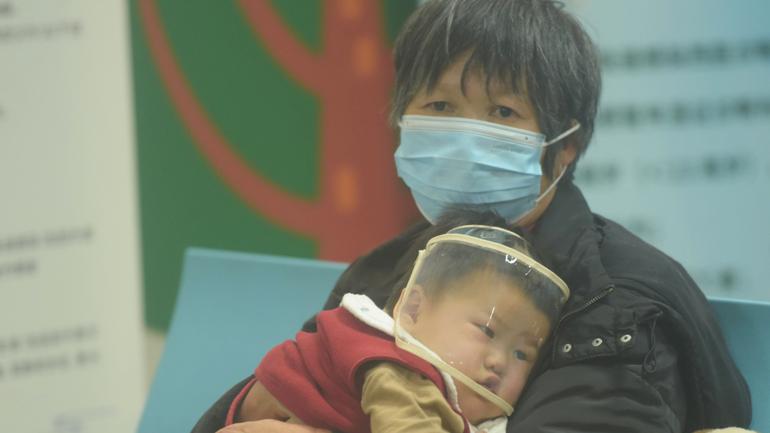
[(233, 307), (745, 325)]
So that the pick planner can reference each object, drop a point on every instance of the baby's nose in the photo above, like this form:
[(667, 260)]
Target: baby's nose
[(496, 360)]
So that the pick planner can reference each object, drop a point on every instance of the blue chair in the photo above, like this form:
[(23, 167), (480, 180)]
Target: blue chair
[(233, 307), (745, 325)]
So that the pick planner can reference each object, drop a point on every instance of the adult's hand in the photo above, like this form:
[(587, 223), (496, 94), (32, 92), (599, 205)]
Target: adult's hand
[(270, 426)]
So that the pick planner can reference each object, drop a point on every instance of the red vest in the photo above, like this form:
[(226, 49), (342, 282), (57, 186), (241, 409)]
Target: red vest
[(317, 376)]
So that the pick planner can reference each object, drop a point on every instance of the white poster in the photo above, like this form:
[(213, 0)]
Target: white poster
[(70, 319), (681, 154)]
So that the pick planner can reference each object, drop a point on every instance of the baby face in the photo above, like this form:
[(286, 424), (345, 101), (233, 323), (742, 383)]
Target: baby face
[(490, 331)]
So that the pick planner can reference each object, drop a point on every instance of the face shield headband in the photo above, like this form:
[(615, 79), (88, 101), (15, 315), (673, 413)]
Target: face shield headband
[(478, 307)]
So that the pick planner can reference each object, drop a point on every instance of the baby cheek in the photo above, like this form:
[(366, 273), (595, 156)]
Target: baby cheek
[(512, 384), (468, 357)]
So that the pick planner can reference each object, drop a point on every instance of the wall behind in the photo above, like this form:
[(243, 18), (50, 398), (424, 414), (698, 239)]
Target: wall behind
[(681, 155), (262, 127), (70, 283)]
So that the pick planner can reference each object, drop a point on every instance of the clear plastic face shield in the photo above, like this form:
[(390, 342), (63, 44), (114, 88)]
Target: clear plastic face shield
[(478, 307)]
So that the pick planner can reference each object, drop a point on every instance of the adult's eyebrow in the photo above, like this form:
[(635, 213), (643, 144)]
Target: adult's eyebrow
[(442, 87)]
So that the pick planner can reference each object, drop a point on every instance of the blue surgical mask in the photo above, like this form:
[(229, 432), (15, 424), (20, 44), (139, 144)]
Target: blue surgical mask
[(457, 162)]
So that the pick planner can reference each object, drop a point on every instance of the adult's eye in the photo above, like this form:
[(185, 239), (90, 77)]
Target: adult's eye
[(505, 112), (439, 106)]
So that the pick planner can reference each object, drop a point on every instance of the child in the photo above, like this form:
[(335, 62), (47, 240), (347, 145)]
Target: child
[(468, 327)]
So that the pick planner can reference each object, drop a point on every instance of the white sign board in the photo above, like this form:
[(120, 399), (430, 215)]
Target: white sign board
[(681, 154), (70, 319)]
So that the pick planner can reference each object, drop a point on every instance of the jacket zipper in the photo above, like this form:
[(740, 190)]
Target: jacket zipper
[(607, 290)]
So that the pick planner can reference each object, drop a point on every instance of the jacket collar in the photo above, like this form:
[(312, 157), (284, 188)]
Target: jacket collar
[(568, 238)]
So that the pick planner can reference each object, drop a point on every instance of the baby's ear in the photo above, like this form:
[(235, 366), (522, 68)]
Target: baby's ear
[(410, 302)]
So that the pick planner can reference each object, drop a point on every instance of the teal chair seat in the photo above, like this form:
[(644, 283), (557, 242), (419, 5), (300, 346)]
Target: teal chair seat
[(745, 326), (233, 307)]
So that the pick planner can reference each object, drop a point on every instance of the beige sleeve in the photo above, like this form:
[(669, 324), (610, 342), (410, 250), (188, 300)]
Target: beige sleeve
[(398, 399)]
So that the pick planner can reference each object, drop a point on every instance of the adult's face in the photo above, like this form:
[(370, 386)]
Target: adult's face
[(494, 103)]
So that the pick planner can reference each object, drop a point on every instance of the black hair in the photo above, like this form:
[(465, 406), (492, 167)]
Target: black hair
[(451, 262), (536, 47)]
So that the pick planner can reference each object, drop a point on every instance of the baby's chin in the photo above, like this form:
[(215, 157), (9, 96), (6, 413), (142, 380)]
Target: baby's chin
[(475, 407)]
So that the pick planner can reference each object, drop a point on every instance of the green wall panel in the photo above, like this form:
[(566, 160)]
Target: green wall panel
[(270, 120)]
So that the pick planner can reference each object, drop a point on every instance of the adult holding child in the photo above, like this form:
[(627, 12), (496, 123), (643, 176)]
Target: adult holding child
[(496, 101)]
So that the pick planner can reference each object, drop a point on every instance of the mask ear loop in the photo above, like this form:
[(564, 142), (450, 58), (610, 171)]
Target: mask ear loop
[(553, 184), (574, 128)]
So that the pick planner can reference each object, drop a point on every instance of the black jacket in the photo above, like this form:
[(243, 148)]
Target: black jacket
[(637, 349)]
